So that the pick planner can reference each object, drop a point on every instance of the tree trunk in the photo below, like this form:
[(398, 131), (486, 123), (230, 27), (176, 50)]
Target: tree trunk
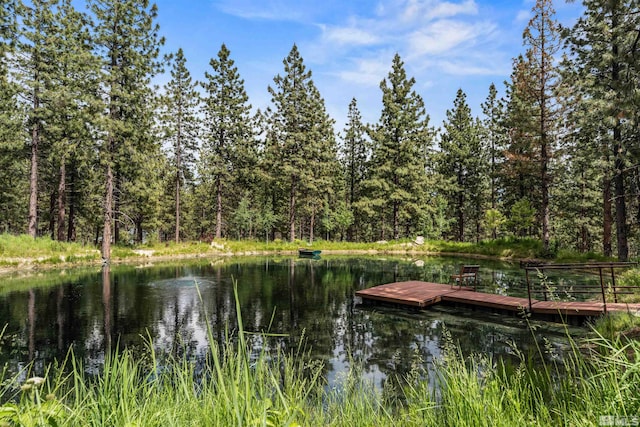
[(312, 225), (108, 211), (62, 193), (583, 243), (618, 178), (178, 161), (460, 216), (115, 213), (218, 208), (621, 208), (139, 231), (178, 207), (607, 218), (292, 210), (71, 230), (52, 214), (33, 176)]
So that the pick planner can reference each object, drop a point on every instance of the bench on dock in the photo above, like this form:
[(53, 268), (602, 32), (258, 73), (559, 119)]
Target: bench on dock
[(467, 273)]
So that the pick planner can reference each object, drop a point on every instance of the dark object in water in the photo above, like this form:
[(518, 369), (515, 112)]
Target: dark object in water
[(309, 253)]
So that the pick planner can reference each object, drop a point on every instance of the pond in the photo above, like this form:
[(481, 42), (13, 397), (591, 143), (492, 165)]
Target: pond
[(299, 302)]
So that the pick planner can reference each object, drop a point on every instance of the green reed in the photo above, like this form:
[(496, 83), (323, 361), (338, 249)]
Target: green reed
[(237, 386)]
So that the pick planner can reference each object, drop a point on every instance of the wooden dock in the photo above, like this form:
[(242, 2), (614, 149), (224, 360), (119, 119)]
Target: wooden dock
[(424, 294)]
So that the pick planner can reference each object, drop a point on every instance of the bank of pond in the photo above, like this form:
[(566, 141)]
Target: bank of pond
[(283, 341)]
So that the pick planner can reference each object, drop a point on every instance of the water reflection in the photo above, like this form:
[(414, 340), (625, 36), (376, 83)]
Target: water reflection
[(297, 300)]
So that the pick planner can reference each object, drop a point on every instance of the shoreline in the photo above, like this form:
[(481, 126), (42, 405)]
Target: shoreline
[(35, 265)]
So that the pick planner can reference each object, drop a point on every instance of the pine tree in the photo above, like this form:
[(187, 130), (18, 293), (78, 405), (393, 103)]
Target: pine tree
[(299, 142), (72, 104), (518, 173), (542, 40), (12, 164), (356, 153), (180, 125), (323, 169), (494, 137), (127, 42), (604, 57), (34, 63), (461, 157), (400, 140), (228, 130)]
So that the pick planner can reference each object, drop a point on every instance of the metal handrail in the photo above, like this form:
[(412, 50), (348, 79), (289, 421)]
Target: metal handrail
[(538, 266)]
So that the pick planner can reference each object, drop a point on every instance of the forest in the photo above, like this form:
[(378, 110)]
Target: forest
[(92, 151)]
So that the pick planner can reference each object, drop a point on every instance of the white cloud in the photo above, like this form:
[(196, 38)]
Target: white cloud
[(349, 36), (445, 36), (448, 9), (523, 16), (467, 68), (267, 10), (367, 71)]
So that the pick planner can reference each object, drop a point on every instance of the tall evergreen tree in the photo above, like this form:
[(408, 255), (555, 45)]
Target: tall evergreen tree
[(323, 169), (518, 172), (462, 158), (399, 142), (72, 105), (299, 140), (228, 130), (34, 62), (127, 42), (604, 57), (180, 125), (494, 137), (542, 39), (12, 164), (356, 153)]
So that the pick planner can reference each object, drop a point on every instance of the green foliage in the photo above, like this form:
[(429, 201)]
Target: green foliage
[(463, 159), (618, 325), (300, 148), (128, 103), (238, 386), (401, 140), (180, 128), (227, 150), (602, 71), (521, 217), (494, 220), (355, 156), (24, 246), (77, 103), (13, 164)]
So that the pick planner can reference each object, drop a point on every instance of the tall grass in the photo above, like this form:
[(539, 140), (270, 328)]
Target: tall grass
[(43, 250), (236, 387)]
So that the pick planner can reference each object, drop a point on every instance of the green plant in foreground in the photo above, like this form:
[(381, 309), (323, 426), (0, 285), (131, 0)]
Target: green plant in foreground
[(235, 386)]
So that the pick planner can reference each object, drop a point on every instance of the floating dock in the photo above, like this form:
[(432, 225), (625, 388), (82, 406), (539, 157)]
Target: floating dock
[(424, 294)]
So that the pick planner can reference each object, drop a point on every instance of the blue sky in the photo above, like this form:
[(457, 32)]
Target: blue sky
[(349, 45)]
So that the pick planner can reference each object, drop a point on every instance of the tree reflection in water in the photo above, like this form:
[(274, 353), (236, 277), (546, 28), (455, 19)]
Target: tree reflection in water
[(296, 300)]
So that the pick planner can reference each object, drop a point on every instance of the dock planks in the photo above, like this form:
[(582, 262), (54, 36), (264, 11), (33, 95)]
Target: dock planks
[(424, 294), (412, 293)]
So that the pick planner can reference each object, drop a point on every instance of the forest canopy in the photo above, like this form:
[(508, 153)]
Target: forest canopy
[(91, 151)]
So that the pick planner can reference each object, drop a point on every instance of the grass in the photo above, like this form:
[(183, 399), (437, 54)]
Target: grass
[(24, 246), (17, 250), (618, 325), (236, 386)]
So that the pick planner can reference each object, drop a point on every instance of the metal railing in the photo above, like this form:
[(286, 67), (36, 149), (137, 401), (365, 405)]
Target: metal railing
[(582, 288)]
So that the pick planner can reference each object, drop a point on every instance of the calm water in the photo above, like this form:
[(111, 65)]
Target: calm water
[(300, 299)]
